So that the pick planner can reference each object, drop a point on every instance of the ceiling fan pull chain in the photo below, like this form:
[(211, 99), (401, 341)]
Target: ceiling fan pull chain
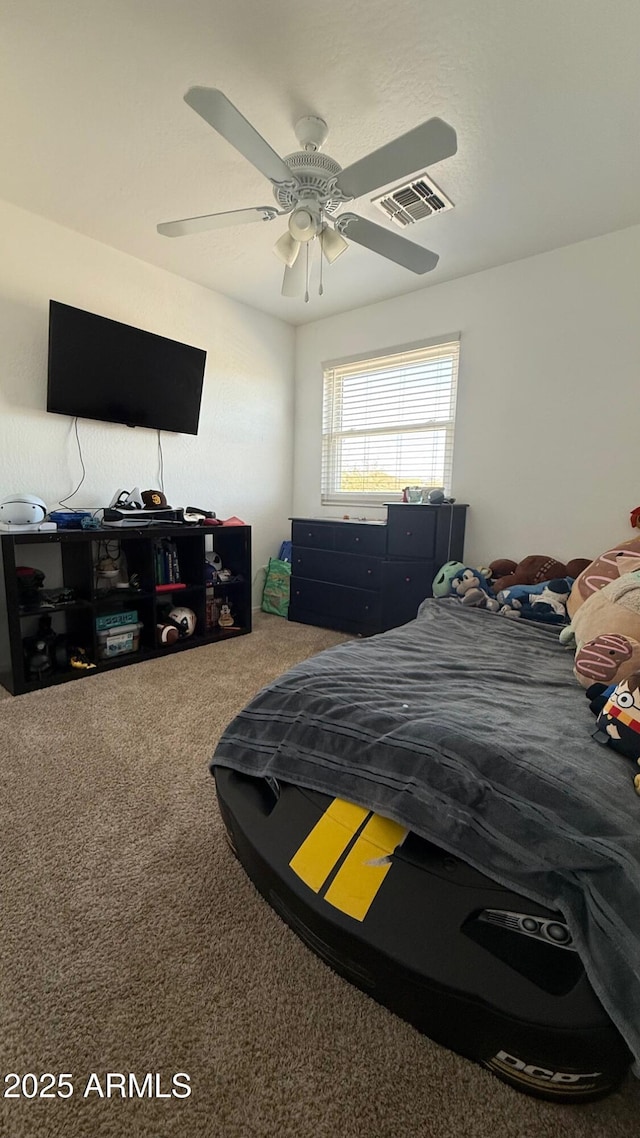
[(321, 289), (306, 293)]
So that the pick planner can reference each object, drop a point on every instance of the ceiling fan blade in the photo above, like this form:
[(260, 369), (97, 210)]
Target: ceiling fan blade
[(425, 144), (215, 108), (216, 221), (387, 244), (294, 282)]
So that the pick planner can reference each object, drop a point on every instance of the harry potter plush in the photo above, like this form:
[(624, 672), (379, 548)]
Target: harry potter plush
[(618, 722)]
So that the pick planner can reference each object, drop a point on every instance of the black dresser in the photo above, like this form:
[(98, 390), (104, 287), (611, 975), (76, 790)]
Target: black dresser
[(366, 577)]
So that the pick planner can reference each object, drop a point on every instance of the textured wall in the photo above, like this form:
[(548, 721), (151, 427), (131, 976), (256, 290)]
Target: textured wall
[(239, 463), (549, 395)]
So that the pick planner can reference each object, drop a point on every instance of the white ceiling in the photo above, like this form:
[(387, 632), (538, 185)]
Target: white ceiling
[(544, 96)]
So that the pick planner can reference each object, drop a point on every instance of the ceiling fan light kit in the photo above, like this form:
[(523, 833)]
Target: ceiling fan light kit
[(287, 249), (311, 187), (332, 244), (304, 222)]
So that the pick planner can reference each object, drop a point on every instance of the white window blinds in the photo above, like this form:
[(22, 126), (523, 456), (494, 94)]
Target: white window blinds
[(388, 422)]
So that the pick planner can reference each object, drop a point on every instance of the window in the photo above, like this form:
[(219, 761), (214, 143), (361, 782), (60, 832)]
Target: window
[(388, 422)]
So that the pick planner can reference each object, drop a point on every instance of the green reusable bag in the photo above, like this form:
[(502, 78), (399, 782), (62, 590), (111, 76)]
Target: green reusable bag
[(275, 595)]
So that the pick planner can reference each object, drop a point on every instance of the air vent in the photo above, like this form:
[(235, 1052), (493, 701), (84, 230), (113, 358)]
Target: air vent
[(412, 201)]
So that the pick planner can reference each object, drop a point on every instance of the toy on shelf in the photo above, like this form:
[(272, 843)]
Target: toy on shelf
[(167, 633), (225, 620), (174, 623), (79, 660), (43, 652), (184, 619)]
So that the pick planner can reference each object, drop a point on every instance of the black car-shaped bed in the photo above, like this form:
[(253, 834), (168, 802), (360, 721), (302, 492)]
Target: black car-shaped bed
[(469, 906)]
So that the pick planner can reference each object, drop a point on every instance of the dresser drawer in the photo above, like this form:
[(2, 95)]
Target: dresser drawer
[(406, 584), (412, 531), (337, 568), (334, 601), (361, 538), (319, 535)]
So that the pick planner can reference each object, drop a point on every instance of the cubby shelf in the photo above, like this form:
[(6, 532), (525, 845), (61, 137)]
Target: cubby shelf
[(68, 559)]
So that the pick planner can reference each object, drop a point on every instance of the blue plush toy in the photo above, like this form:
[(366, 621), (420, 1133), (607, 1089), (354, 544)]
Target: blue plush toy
[(546, 602), (472, 587)]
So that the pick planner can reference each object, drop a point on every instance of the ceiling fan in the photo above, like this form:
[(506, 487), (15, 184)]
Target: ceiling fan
[(311, 187)]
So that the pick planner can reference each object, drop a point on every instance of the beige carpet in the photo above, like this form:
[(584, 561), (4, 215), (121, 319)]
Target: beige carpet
[(131, 940)]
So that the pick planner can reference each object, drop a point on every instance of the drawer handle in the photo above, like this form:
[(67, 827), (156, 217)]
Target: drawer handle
[(357, 540), (409, 533), (369, 572), (408, 579), (310, 534)]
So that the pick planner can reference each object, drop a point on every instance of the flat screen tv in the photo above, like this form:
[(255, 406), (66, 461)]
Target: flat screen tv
[(101, 369)]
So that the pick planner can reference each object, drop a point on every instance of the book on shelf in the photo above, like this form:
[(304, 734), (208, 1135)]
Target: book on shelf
[(166, 564)]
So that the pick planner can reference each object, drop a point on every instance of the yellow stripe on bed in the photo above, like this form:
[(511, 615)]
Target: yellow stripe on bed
[(359, 879), (326, 843)]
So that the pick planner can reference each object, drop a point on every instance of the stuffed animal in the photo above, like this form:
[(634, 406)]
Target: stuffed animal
[(503, 567), (623, 558), (472, 587), (546, 602), (442, 581), (533, 570), (618, 710), (606, 630)]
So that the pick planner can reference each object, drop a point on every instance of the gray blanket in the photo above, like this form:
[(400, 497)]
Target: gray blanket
[(472, 731)]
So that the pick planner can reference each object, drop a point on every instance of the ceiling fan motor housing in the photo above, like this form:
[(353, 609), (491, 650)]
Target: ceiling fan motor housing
[(315, 176)]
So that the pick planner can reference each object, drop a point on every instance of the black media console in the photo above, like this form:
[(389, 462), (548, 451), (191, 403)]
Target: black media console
[(167, 564)]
